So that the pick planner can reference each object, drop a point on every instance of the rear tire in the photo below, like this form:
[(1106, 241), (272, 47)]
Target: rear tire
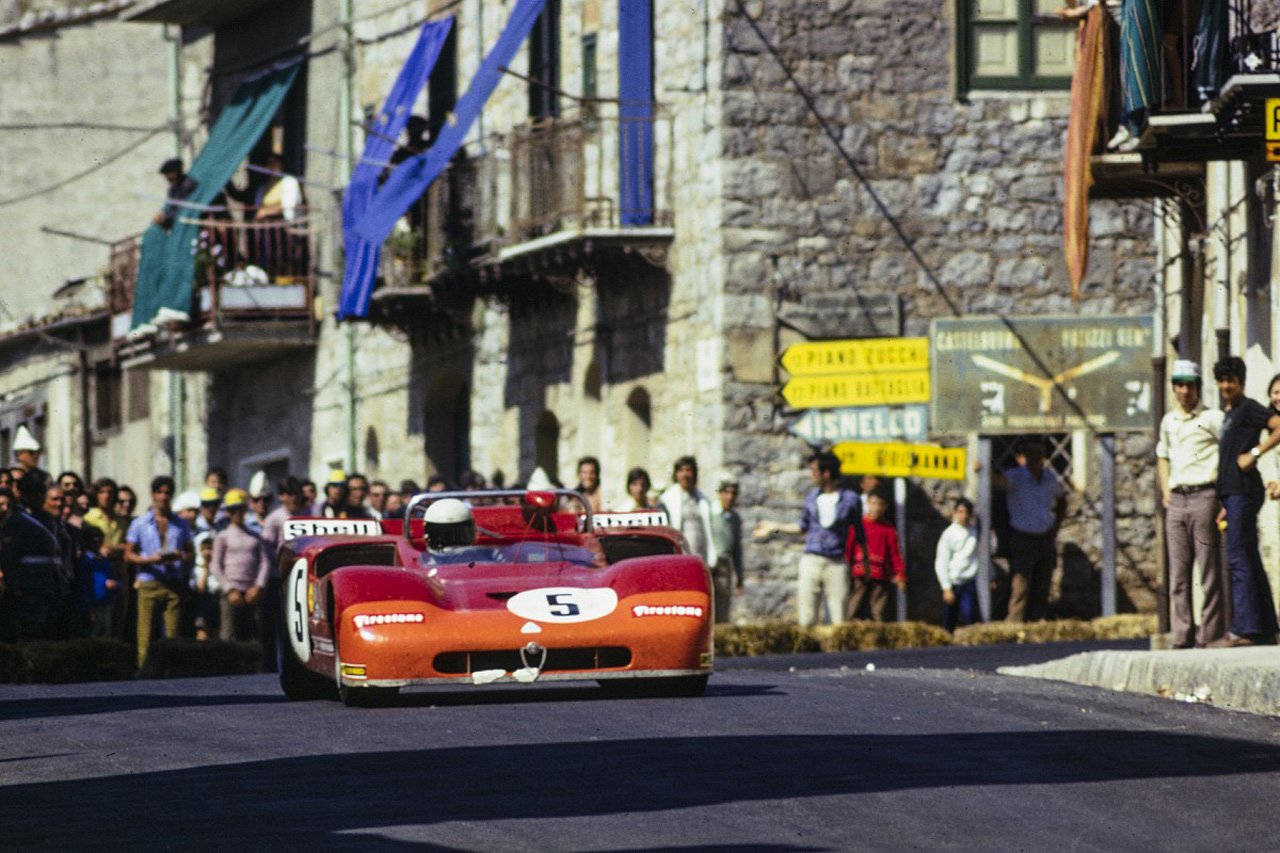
[(677, 687)]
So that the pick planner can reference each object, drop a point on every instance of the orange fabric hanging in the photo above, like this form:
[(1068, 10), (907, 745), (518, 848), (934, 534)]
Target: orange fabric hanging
[(1088, 85)]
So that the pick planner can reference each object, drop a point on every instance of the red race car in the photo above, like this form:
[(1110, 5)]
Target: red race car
[(524, 587)]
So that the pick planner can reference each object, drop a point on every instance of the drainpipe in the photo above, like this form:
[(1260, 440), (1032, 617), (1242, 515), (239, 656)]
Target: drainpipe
[(348, 145), (86, 429), (1158, 346), (1222, 269), (177, 401)]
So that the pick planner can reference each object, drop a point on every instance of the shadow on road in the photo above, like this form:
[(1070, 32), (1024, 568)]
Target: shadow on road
[(312, 801), (68, 706)]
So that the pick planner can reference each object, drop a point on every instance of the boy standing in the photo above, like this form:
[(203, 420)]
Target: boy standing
[(877, 565), (956, 564)]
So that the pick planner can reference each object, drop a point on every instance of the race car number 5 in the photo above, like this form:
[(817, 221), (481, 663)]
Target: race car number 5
[(295, 608), (563, 604)]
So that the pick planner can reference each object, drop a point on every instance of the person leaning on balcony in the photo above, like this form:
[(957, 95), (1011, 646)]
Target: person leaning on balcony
[(181, 186), (159, 544), (1187, 465), (1253, 617)]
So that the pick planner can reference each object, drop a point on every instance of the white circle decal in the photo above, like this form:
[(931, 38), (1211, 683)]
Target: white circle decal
[(295, 608), (563, 604)]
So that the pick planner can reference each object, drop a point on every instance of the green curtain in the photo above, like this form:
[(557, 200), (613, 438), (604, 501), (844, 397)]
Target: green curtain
[(166, 270)]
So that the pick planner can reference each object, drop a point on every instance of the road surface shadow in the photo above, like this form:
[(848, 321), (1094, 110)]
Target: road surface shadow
[(69, 706), (323, 801)]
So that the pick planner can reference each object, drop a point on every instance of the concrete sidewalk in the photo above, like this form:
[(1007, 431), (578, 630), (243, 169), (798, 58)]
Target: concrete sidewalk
[(1244, 679)]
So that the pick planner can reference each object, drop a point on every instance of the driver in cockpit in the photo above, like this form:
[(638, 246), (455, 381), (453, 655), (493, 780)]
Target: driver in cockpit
[(450, 529)]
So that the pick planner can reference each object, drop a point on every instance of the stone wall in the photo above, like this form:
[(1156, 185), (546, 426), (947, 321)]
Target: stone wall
[(974, 184)]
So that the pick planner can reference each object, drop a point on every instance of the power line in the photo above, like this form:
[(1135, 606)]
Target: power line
[(73, 125), (101, 164), (897, 227)]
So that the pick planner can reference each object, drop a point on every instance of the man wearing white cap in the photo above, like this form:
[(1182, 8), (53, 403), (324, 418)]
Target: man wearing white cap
[(1187, 464), (26, 450)]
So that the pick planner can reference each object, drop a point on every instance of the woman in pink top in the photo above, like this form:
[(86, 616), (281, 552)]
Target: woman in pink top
[(242, 565)]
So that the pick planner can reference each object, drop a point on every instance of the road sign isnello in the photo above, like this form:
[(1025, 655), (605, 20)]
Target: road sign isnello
[(866, 389), (901, 460), (863, 423), (856, 356)]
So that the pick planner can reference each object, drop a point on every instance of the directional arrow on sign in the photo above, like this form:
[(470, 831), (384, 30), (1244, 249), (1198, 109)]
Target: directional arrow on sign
[(873, 389), (859, 355), (864, 423)]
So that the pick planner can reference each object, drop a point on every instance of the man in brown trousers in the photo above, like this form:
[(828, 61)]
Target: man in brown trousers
[(1187, 464)]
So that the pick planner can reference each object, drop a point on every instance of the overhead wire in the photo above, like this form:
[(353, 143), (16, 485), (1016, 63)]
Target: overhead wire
[(101, 164), (939, 288)]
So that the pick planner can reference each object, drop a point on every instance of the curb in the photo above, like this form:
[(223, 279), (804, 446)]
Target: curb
[(1245, 679)]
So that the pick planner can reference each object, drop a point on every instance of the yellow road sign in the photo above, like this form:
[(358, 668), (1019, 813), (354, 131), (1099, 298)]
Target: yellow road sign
[(866, 389), (869, 355), (901, 460), (1273, 152), (1272, 120)]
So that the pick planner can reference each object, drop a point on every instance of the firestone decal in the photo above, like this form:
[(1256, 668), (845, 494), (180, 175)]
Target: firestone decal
[(667, 610), (364, 620)]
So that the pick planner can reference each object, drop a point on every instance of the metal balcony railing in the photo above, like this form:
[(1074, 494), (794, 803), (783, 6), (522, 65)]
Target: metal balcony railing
[(243, 271), (587, 172)]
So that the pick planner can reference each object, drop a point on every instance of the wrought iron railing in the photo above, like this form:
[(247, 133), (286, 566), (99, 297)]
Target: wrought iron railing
[(255, 270)]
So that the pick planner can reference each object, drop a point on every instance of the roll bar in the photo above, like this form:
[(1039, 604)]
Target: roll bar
[(427, 498)]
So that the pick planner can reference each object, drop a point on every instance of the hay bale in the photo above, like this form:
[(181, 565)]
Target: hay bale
[(768, 638), (1125, 626), (73, 661), (862, 635), (180, 658), (14, 666)]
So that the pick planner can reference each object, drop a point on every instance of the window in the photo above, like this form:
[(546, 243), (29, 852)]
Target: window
[(544, 63), (139, 387), (109, 398), (1013, 44)]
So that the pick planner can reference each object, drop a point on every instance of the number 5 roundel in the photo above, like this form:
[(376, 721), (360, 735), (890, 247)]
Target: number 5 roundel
[(295, 610), (563, 604)]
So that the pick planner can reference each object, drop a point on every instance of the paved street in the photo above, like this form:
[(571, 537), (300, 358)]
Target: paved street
[(771, 759)]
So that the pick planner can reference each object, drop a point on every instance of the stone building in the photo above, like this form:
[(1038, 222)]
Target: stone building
[(589, 277)]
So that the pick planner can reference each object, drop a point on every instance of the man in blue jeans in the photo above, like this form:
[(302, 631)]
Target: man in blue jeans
[(1253, 615)]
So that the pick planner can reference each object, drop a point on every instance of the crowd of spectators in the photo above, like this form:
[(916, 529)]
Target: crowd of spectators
[(93, 562)]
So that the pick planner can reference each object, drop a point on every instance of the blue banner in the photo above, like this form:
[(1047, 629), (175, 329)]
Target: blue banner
[(635, 111), (361, 255), (411, 179)]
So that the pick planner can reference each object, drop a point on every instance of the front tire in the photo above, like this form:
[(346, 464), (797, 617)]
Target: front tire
[(367, 697)]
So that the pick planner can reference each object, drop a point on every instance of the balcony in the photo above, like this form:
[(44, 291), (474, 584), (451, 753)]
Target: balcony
[(253, 299), (566, 188), (1192, 128)]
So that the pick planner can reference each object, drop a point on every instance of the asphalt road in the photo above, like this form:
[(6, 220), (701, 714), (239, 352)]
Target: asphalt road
[(773, 758)]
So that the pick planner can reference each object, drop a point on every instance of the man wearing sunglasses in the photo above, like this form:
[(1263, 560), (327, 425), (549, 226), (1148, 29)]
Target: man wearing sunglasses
[(159, 545)]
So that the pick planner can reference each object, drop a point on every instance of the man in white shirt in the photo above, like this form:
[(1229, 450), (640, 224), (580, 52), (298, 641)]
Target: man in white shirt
[(1187, 464), (689, 511), (1036, 506)]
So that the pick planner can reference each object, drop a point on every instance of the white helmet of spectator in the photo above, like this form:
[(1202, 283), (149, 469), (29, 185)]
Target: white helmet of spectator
[(449, 523), (186, 500)]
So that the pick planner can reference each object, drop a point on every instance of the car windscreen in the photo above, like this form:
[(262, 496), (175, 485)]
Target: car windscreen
[(514, 552)]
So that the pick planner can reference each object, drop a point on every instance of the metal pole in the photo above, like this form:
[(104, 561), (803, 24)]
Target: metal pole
[(900, 515), (984, 528), (1159, 389), (348, 148), (1108, 465)]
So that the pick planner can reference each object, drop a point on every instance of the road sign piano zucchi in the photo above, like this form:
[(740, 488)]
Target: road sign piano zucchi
[(857, 372)]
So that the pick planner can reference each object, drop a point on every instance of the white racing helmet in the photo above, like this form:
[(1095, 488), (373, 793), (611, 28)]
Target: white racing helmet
[(449, 523)]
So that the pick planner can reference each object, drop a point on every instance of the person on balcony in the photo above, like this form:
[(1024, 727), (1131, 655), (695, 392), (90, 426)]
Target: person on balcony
[(181, 186), (277, 201)]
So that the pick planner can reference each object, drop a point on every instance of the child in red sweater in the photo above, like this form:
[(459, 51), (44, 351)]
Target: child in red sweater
[(872, 570)]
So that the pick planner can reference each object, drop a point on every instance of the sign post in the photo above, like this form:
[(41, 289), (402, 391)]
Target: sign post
[(1272, 121)]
